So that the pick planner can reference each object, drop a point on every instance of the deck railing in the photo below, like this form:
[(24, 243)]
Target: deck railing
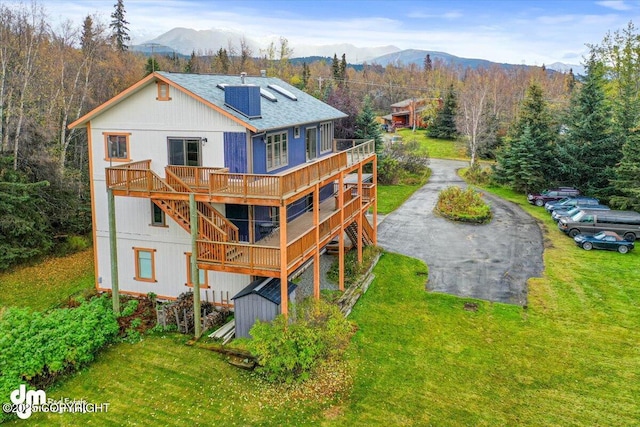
[(195, 176), (282, 184)]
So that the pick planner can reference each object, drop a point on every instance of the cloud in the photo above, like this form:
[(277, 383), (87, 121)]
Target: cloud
[(615, 4)]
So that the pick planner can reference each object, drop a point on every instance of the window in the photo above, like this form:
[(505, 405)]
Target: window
[(157, 216), (116, 146), (163, 92), (204, 277), (326, 142), (184, 151), (145, 264), (296, 132), (311, 143), (277, 151)]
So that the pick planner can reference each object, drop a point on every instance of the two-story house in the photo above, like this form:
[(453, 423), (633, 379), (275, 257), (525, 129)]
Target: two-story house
[(271, 185)]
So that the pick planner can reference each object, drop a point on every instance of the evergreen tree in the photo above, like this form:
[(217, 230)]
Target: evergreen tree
[(428, 64), (335, 69), (221, 61), (627, 175), (366, 125), (343, 71), (87, 39), (589, 149), (306, 75), (119, 29), (533, 156), (444, 125), (151, 66), (518, 167)]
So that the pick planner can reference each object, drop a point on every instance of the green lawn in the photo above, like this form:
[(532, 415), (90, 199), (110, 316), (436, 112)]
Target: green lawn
[(437, 148), (47, 283), (418, 358)]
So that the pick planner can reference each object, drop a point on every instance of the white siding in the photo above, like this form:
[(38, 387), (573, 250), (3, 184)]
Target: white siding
[(149, 123)]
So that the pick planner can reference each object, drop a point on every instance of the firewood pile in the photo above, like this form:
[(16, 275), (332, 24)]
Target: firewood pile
[(180, 313)]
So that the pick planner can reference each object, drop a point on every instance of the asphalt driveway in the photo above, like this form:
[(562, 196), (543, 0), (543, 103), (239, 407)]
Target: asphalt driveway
[(490, 262)]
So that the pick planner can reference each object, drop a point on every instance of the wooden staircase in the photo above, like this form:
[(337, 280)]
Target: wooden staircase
[(367, 232), (212, 225)]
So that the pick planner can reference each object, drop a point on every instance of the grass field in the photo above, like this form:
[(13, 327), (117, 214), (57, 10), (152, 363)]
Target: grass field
[(437, 148), (48, 283), (419, 358)]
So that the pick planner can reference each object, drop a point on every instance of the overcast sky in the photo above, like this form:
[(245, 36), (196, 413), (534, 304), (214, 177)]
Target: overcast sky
[(517, 31)]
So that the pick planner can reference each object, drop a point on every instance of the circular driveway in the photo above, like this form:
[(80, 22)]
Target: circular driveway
[(490, 262)]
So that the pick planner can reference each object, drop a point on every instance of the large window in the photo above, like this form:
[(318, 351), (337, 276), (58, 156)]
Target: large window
[(145, 264), (204, 277), (116, 147), (277, 151), (326, 140), (184, 151)]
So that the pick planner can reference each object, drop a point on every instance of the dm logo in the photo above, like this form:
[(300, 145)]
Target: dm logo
[(25, 400)]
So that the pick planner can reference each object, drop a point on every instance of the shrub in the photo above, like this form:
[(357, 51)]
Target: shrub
[(463, 205), (35, 348), (287, 349), (478, 175), (389, 171)]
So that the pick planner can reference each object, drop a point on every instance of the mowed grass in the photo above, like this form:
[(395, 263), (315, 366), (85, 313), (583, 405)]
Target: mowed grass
[(45, 284), (437, 148)]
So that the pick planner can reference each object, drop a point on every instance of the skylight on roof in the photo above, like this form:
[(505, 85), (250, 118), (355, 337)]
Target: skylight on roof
[(268, 95), (221, 85), (283, 91)]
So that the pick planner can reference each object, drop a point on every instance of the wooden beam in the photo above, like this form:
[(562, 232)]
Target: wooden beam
[(113, 246), (316, 252), (341, 236), (284, 285), (195, 274), (359, 215), (375, 201)]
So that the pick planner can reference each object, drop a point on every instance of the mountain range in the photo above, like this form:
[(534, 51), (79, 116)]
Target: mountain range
[(184, 41)]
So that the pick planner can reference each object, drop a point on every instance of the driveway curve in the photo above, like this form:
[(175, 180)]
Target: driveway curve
[(490, 262)]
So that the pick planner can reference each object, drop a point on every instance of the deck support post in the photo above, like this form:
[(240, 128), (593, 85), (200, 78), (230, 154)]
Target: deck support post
[(375, 201), (359, 216), (284, 282), (341, 238), (113, 247), (316, 252), (195, 274)]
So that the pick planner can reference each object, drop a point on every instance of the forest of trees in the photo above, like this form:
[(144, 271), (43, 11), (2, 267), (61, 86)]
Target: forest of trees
[(543, 127)]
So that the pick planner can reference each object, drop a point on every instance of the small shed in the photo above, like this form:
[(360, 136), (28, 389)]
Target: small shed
[(259, 300)]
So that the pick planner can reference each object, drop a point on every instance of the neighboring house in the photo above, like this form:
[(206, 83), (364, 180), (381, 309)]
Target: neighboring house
[(259, 156), (405, 113)]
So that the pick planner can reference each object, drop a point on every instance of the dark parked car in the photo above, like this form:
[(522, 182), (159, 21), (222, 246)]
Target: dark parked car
[(568, 212), (569, 202), (604, 240), (552, 195)]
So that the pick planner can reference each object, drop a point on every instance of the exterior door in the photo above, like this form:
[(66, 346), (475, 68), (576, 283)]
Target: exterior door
[(311, 142), (185, 152)]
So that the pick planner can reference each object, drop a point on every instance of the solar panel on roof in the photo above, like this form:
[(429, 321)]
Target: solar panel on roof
[(268, 95), (283, 91)]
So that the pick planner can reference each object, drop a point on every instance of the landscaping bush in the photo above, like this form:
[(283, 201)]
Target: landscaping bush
[(287, 349), (467, 205), (477, 175), (35, 348)]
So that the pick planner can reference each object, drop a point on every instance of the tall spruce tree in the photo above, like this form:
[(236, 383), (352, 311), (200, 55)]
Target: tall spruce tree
[(627, 175), (444, 125), (537, 151), (589, 149), (119, 29), (366, 125)]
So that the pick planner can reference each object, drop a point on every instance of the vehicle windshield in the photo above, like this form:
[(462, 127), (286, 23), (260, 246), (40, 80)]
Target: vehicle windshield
[(565, 200), (578, 216), (600, 235), (573, 211)]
